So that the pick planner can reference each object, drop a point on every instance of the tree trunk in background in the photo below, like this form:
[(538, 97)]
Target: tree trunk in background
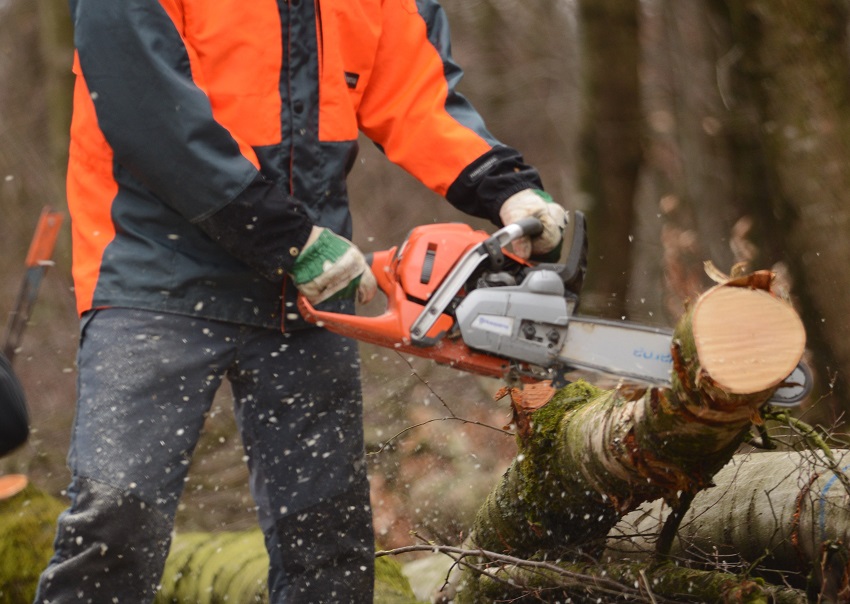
[(56, 43), (794, 70), (610, 150), (688, 204), (35, 93), (522, 74), (20, 125), (35, 64)]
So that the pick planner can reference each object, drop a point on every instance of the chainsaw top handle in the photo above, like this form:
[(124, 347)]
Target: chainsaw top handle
[(574, 268), (529, 227), (492, 246)]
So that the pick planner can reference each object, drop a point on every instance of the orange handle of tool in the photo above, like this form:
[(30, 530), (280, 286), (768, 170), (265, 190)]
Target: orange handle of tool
[(44, 238), (392, 328)]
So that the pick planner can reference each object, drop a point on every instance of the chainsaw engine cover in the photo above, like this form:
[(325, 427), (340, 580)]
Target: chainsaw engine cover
[(526, 322), (429, 253)]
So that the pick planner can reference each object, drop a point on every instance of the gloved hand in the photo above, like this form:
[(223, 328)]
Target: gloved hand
[(534, 202), (330, 266)]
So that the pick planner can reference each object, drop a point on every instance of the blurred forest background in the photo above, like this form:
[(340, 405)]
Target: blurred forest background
[(687, 131)]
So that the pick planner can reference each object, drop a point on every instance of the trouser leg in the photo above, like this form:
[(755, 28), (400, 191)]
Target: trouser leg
[(145, 382), (298, 404)]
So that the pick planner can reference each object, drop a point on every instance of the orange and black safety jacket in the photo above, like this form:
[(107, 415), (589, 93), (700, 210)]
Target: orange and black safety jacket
[(209, 136)]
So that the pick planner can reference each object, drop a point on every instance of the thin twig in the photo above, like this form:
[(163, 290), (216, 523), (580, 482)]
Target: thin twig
[(647, 586), (452, 415), (580, 579), (389, 441), (814, 440)]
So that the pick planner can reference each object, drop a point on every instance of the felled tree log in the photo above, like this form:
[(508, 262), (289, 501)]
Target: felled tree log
[(232, 567), (215, 567), (588, 456), (787, 512), (665, 582)]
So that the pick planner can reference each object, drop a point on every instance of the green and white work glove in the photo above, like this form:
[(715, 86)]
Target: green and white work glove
[(545, 247), (330, 266)]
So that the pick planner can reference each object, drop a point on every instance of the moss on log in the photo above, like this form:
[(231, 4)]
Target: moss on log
[(27, 526), (210, 568), (232, 567), (664, 582)]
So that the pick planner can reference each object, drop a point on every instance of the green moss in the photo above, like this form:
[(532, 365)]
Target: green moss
[(541, 485), (547, 420), (177, 565), (232, 567), (668, 581), (27, 528), (246, 576), (215, 568), (391, 586)]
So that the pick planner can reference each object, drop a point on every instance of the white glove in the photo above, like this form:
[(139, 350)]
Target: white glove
[(536, 203), (330, 266)]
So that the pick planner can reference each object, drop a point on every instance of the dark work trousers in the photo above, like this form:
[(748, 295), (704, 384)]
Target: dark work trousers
[(146, 381)]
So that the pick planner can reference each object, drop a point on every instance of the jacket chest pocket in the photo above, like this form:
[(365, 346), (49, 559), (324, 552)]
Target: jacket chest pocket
[(238, 57), (349, 33)]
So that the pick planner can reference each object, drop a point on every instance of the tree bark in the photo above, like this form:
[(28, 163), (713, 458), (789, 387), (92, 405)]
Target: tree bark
[(783, 511)]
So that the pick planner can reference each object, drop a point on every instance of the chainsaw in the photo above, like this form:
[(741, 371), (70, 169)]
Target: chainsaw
[(459, 297)]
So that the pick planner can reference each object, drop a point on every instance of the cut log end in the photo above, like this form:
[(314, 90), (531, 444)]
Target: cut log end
[(747, 340)]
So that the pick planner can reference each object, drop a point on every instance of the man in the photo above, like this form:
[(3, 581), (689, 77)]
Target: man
[(206, 183)]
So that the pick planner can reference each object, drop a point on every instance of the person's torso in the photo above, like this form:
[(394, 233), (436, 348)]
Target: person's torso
[(285, 78)]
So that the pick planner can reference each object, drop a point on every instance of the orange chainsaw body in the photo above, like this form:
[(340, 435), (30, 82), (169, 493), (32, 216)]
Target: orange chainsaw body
[(408, 276)]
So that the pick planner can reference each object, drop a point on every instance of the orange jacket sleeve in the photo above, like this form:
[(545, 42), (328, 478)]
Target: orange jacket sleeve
[(412, 109)]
